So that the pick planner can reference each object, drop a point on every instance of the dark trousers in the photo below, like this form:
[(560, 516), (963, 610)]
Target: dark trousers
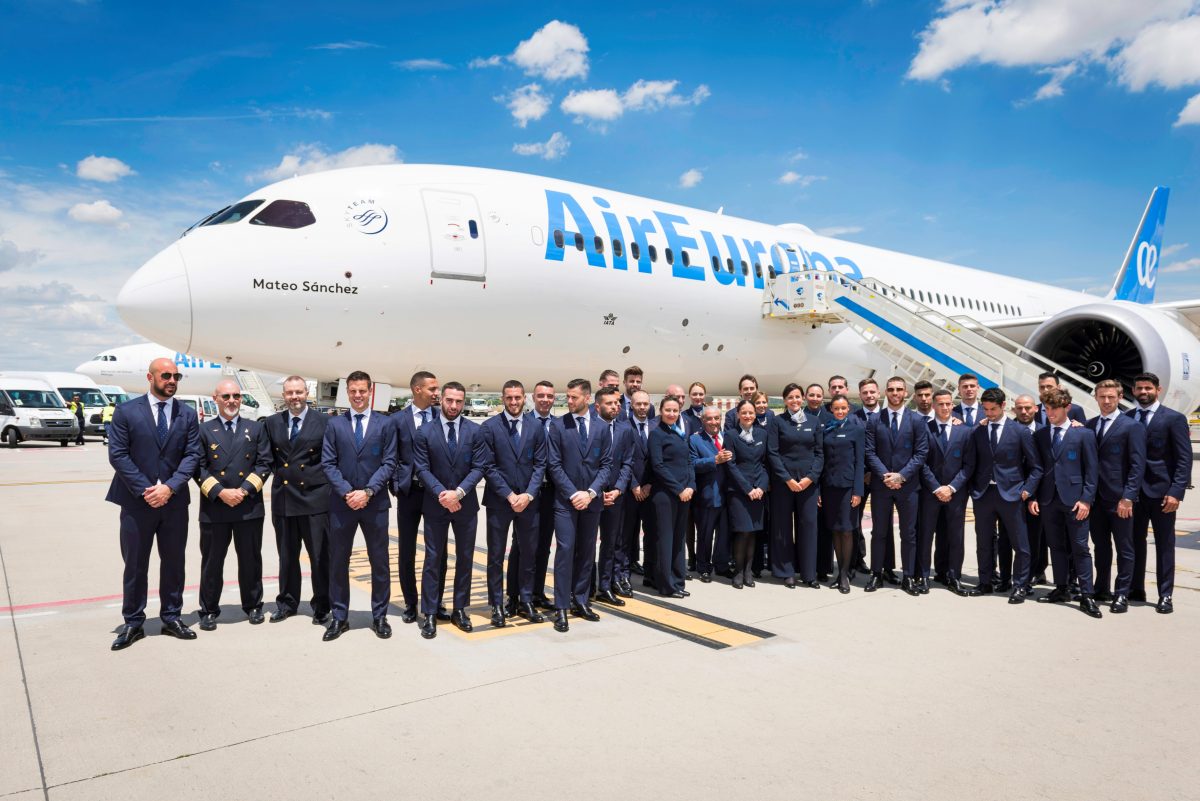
[(574, 554), (1039, 551), (139, 528), (311, 533), (712, 538), (438, 523), (883, 501), (794, 532), (945, 524), (670, 523), (860, 541), (246, 536), (1148, 512), (541, 551), (1068, 540), (1108, 528), (408, 521), (824, 547), (990, 511), (343, 522), (521, 557), (612, 524), (639, 517)]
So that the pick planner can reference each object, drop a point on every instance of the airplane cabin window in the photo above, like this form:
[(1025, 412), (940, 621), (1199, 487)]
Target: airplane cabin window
[(716, 265), (669, 255), (771, 270), (745, 268), (558, 239), (757, 270), (579, 242), (653, 251), (236, 212), (635, 250), (285, 214), (473, 227), (921, 293), (599, 243), (687, 260), (618, 251)]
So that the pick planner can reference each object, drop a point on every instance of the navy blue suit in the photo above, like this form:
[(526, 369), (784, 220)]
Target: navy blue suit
[(794, 451), (976, 413), (612, 518), (639, 515), (141, 462), (1069, 471), (410, 498), (999, 479), (350, 466), (1168, 472), (671, 463), (512, 466), (1122, 467), (945, 466), (442, 468), (900, 451), (577, 465), (861, 416), (627, 412), (708, 504)]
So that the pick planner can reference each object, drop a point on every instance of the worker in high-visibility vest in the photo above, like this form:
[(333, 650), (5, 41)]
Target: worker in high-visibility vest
[(106, 418)]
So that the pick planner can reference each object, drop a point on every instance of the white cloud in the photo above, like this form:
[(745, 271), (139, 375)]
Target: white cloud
[(691, 178), (606, 105), (1171, 250), (929, 218), (422, 65), (527, 103), (1165, 53), (352, 44), (791, 178), (552, 149), (51, 292), (12, 256), (556, 51), (485, 63), (1184, 266), (839, 230), (602, 105), (1054, 86), (797, 155), (1190, 115), (307, 159), (102, 168), (99, 212)]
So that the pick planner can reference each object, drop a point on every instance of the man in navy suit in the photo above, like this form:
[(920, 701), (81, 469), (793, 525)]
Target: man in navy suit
[(1006, 473), (406, 484), (747, 386), (543, 402), (615, 492), (359, 458), (709, 458), (514, 452), (838, 386), (1046, 382), (580, 460), (1122, 453), (944, 495), (897, 445), (1064, 498), (449, 459), (1168, 471), (1025, 414), (633, 384), (639, 513), (968, 409), (154, 448)]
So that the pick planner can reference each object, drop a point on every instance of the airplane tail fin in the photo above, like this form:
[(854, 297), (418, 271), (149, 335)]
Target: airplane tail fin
[(1139, 272)]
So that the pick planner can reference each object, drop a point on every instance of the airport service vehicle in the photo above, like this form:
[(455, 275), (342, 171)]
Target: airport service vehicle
[(117, 394), (31, 410), (347, 269), (203, 405), (478, 407), (68, 385)]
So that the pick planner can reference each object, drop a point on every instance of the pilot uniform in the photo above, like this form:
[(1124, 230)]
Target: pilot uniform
[(299, 508), (237, 455)]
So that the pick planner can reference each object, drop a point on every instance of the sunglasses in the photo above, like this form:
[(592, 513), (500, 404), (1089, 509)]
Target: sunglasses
[(231, 395), (171, 376)]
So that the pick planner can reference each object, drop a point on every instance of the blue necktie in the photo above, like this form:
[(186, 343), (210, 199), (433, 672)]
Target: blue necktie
[(229, 426), (1103, 424), (1057, 436), (995, 435), (545, 421), (512, 429), (424, 416), (1143, 416), (895, 421), (295, 428), (160, 429), (969, 416), (583, 437), (358, 430), (945, 436), (451, 438)]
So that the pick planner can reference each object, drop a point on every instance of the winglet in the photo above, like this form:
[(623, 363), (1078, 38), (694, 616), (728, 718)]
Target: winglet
[(1139, 272)]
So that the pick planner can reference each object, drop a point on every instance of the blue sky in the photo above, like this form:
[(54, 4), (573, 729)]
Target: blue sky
[(1019, 136)]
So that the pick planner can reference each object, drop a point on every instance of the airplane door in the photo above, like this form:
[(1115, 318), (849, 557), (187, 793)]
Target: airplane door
[(455, 235)]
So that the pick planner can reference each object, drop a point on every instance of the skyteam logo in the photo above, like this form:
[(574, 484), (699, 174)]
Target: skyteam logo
[(366, 217), (1147, 264)]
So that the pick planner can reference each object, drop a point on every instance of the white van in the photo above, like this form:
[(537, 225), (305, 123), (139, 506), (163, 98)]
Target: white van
[(68, 385), (116, 394), (203, 405), (31, 410)]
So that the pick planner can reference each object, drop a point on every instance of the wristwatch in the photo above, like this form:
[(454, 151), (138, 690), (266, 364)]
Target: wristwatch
[(370, 492)]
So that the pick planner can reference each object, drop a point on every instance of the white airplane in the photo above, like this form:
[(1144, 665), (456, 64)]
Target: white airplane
[(483, 275), (125, 367)]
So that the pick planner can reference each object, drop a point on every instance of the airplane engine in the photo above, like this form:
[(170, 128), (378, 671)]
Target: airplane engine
[(1117, 339)]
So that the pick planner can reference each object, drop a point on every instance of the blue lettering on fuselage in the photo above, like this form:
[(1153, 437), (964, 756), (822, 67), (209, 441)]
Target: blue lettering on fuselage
[(194, 362), (566, 215)]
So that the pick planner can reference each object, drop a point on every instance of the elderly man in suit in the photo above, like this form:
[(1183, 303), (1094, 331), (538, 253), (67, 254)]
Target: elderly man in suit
[(710, 458), (154, 449), (358, 456)]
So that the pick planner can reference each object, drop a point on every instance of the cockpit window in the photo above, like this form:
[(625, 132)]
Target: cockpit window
[(237, 211), (285, 214)]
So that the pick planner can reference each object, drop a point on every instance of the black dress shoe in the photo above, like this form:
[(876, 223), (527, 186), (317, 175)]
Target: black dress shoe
[(584, 611), (790, 583), (736, 581), (889, 576), (1103, 597), (624, 590), (208, 622), (320, 618), (429, 627), (255, 616), (381, 627), (982, 589), (649, 582), (749, 580), (674, 594), (336, 629), (127, 636), (512, 608), (1004, 586), (281, 613), (1164, 605), (498, 620), (1120, 605), (637, 568), (1040, 579), (922, 586), (607, 596), (1088, 604), (560, 620), (940, 578), (875, 583), (705, 577), (529, 613), (442, 614), (822, 577), (1138, 595), (1018, 596), (843, 585), (176, 629), (812, 585), (1058, 595), (955, 586), (409, 615), (461, 621), (909, 586), (542, 602)]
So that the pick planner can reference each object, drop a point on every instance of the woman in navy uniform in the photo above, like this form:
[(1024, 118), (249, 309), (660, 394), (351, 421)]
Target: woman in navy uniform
[(671, 489), (749, 482), (842, 483), (794, 454)]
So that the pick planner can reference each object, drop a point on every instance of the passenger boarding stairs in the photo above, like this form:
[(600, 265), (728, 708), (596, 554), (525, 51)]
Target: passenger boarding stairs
[(921, 343), (252, 385)]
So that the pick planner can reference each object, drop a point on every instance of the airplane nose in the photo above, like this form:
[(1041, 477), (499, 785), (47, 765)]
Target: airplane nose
[(156, 301)]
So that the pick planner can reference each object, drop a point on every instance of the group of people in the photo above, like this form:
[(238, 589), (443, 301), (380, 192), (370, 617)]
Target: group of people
[(620, 488)]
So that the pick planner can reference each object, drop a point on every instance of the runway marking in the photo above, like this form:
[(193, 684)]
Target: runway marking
[(117, 597), (60, 481)]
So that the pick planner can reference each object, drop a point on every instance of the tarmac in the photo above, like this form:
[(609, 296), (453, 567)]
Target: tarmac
[(767, 692)]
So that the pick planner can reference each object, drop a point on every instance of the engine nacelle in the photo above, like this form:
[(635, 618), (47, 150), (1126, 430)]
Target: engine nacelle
[(1118, 339)]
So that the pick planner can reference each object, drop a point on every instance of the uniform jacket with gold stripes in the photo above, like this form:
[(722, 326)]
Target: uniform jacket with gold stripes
[(241, 460)]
